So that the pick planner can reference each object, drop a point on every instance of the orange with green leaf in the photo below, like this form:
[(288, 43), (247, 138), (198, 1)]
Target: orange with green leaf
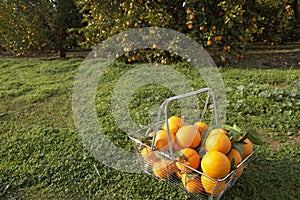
[(189, 157)]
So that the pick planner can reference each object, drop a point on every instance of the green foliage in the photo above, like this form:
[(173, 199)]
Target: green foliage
[(42, 156), (252, 101), (24, 25), (224, 28), (220, 27), (274, 19), (30, 27), (234, 133), (65, 18)]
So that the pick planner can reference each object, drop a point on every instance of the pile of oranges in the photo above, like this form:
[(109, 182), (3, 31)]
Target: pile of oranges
[(220, 159)]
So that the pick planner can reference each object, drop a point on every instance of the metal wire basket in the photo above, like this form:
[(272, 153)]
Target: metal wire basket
[(162, 163)]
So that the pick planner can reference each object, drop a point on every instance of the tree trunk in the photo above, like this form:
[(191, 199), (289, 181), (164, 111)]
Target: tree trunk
[(60, 39), (297, 14), (62, 53)]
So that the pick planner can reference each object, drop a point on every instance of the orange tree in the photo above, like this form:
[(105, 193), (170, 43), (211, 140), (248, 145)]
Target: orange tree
[(24, 25), (274, 19), (224, 28), (31, 26), (220, 26), (65, 18)]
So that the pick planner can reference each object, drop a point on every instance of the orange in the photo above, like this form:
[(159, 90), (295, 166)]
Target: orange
[(190, 26), (176, 146), (218, 38), (234, 156), (239, 171), (218, 130), (227, 48), (172, 167), (212, 186), (175, 123), (192, 185), (191, 159), (188, 11), (218, 141), (215, 164), (164, 168), (154, 46), (209, 42), (248, 148), (161, 140), (188, 136), (160, 169), (149, 155), (201, 126)]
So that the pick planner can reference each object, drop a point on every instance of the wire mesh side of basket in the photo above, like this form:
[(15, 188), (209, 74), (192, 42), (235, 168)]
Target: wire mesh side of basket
[(201, 186)]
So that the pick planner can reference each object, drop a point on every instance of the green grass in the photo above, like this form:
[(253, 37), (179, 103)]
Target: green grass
[(42, 156)]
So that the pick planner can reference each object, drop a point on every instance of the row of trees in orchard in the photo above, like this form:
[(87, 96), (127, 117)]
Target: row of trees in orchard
[(224, 28), (31, 26)]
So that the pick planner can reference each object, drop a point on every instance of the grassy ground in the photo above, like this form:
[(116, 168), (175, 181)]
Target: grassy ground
[(42, 156)]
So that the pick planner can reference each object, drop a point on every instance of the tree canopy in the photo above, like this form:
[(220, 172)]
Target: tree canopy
[(224, 28)]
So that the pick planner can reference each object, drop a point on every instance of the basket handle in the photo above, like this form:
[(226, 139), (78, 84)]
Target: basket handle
[(164, 107)]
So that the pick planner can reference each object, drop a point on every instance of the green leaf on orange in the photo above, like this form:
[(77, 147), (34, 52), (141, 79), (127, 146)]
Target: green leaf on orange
[(238, 145), (191, 176), (233, 134), (179, 154), (229, 128), (232, 162)]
